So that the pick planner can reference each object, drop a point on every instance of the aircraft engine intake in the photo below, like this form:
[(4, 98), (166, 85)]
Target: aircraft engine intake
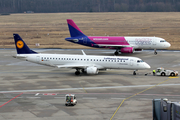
[(127, 50), (92, 70), (138, 49)]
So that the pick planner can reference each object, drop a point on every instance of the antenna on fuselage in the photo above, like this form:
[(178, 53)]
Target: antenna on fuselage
[(83, 52)]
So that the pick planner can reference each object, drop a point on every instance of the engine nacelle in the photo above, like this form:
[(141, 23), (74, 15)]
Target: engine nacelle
[(92, 70), (127, 50), (138, 49)]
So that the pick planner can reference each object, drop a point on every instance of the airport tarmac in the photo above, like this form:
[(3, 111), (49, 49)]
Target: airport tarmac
[(30, 91)]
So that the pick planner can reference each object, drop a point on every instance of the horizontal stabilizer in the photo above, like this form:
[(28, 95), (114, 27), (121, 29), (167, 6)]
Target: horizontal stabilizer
[(19, 56)]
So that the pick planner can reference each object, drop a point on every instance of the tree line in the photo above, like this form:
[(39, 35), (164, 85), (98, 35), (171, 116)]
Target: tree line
[(49, 6)]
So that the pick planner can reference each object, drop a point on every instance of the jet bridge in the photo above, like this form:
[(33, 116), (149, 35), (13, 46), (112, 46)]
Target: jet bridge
[(165, 110)]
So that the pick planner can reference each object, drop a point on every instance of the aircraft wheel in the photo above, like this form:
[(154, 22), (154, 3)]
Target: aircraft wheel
[(134, 73), (77, 73), (116, 53), (155, 53)]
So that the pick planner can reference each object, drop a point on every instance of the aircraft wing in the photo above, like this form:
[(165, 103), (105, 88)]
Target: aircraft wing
[(74, 66), (115, 46)]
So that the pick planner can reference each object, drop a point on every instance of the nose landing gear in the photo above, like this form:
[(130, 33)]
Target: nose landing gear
[(134, 73), (155, 52)]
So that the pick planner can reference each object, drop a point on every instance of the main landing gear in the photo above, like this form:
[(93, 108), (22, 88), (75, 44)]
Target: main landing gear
[(77, 72), (116, 52), (155, 52)]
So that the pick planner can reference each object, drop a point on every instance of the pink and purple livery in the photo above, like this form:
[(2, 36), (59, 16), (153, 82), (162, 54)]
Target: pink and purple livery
[(120, 43)]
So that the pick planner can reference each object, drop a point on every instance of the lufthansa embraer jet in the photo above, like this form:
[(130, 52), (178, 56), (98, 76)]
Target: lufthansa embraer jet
[(120, 43), (82, 63)]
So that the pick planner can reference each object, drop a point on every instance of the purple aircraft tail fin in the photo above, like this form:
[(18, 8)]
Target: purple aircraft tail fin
[(74, 29)]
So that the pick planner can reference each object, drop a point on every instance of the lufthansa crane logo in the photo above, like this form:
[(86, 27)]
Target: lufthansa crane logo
[(19, 44)]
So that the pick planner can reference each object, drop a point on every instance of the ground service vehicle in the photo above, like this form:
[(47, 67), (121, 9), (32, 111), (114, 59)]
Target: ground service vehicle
[(70, 99), (161, 71)]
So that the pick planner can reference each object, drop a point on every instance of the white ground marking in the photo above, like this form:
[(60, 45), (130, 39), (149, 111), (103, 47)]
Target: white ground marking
[(87, 88), (60, 97), (117, 98), (33, 97), (36, 94), (89, 98)]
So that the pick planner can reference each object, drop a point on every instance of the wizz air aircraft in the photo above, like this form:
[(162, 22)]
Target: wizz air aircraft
[(82, 63), (120, 43)]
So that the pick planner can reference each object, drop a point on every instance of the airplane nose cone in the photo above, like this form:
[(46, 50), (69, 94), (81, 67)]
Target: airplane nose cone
[(147, 66), (168, 45)]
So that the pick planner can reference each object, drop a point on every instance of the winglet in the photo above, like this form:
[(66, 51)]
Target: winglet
[(21, 46), (83, 52)]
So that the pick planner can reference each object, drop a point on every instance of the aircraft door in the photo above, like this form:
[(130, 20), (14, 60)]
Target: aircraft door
[(154, 41), (38, 59), (131, 62)]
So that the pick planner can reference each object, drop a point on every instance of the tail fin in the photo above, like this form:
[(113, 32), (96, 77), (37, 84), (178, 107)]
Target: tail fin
[(74, 29), (21, 46)]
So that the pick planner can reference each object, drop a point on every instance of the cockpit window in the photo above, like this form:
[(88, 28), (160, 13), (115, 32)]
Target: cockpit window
[(139, 61), (162, 41)]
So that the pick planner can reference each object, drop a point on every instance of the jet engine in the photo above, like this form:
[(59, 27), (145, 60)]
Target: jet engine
[(138, 49), (127, 50), (92, 70)]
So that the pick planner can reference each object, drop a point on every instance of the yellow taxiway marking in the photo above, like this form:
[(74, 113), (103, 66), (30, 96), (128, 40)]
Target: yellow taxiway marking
[(137, 94), (174, 77), (83, 87)]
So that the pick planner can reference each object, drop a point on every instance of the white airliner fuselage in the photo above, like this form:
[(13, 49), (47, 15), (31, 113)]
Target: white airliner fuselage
[(85, 63), (88, 63)]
